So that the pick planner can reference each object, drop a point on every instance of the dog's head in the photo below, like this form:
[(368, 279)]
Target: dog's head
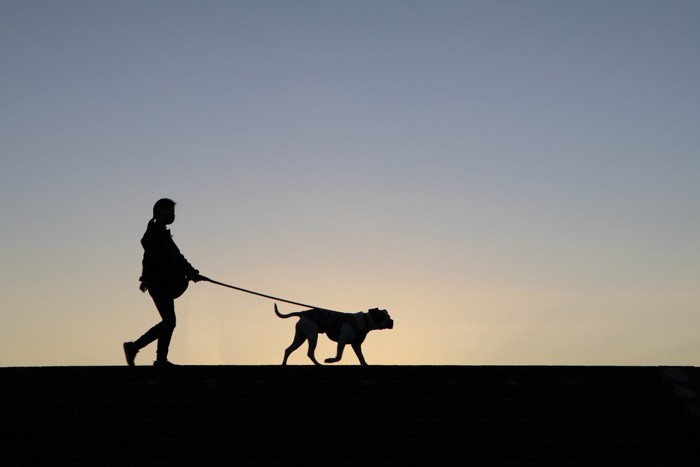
[(380, 318)]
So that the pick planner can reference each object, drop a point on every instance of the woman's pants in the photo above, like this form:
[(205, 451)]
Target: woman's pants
[(162, 331)]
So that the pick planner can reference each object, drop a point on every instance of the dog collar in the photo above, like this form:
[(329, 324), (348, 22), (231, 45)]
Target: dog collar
[(365, 319)]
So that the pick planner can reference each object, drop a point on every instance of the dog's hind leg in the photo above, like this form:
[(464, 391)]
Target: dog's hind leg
[(299, 338), (313, 339)]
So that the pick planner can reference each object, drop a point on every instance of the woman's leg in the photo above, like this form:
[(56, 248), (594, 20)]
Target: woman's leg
[(166, 308), (162, 331)]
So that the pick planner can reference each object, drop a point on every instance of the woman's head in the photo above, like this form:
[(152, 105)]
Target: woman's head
[(164, 211)]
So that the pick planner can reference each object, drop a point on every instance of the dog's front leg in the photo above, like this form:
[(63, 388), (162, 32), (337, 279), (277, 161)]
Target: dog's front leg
[(339, 353), (357, 347), (346, 335)]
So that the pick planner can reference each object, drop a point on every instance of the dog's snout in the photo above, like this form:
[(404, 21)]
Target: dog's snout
[(390, 324)]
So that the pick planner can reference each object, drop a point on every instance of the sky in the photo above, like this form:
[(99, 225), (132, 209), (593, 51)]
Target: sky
[(516, 182)]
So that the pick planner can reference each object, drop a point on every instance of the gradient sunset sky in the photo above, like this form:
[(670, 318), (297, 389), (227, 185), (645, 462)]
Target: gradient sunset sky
[(516, 182)]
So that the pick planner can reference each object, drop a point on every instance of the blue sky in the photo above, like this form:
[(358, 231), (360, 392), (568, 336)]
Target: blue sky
[(517, 182)]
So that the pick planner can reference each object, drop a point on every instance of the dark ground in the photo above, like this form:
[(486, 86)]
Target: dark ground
[(350, 415)]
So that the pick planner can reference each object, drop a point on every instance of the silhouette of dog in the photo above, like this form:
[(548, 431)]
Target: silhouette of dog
[(343, 328)]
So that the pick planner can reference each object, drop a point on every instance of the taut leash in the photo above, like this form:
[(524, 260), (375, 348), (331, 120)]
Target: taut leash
[(259, 294)]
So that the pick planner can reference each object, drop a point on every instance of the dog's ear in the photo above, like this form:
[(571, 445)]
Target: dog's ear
[(378, 315)]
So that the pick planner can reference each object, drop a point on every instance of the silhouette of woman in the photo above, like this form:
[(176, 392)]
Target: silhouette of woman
[(165, 274)]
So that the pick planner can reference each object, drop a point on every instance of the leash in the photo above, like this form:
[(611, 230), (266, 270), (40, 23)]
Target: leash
[(259, 294)]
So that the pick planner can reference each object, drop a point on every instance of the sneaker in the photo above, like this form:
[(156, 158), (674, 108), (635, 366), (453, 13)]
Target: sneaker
[(164, 363), (130, 352)]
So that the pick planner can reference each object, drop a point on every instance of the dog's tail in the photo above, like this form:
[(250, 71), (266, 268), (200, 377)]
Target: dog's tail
[(288, 315)]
